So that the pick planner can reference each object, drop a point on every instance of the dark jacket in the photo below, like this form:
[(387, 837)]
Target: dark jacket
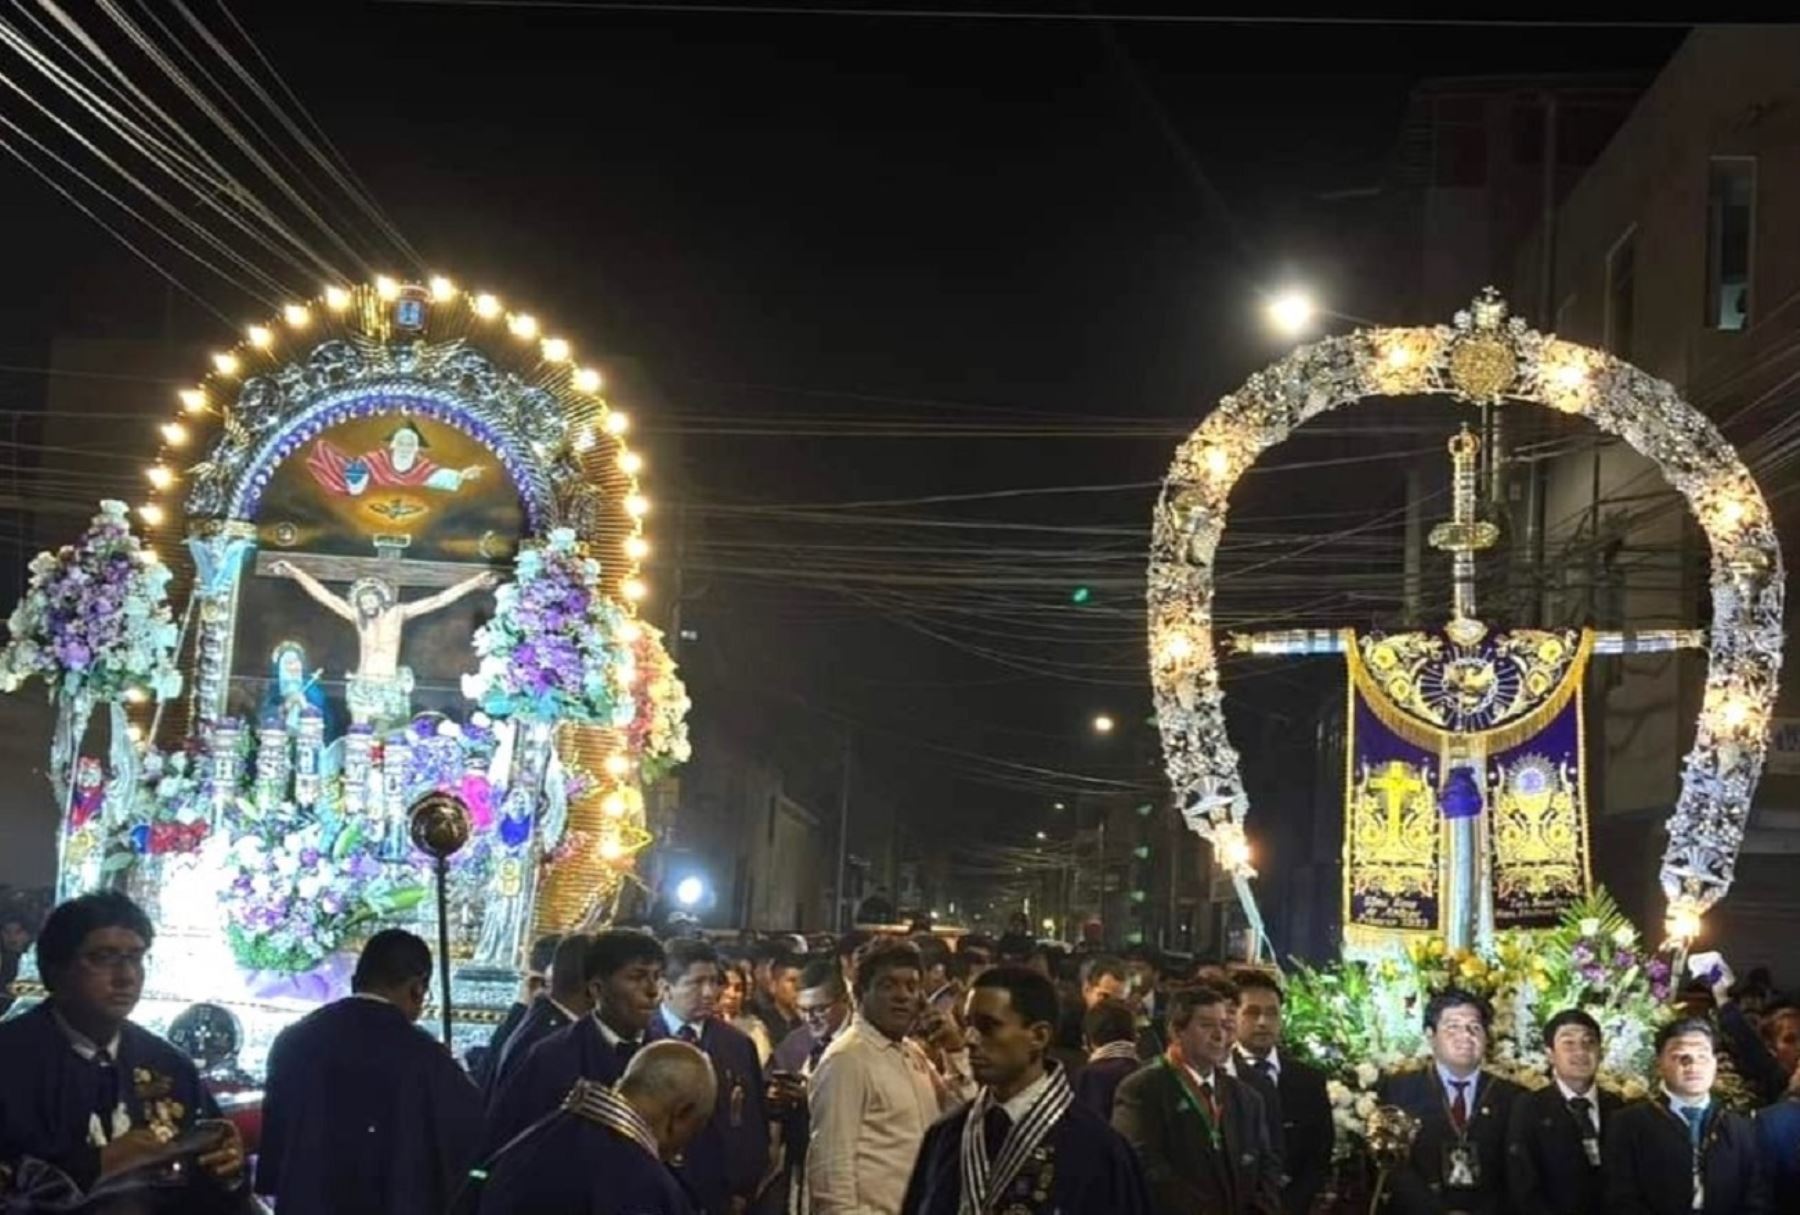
[(542, 1019), (1547, 1169), (48, 1092), (1098, 1083), (730, 1155), (1082, 1166), (1307, 1133), (363, 1112), (1187, 1175), (1649, 1163), (1419, 1187), (576, 1167), (537, 1084), (483, 1062)]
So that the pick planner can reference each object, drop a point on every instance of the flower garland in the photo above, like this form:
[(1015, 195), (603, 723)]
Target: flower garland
[(95, 620), (553, 649), (1361, 1021), (295, 893), (658, 734)]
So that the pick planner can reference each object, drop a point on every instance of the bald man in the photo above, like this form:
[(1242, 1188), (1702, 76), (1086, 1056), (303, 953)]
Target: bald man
[(603, 1153)]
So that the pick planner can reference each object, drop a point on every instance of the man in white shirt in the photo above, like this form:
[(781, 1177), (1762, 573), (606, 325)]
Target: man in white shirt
[(875, 1093)]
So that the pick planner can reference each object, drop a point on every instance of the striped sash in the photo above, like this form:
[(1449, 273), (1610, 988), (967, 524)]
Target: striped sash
[(595, 1102), (984, 1181), (1115, 1050)]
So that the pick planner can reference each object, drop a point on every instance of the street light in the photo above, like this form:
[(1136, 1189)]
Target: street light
[(689, 891), (1042, 836), (1103, 724), (1292, 312)]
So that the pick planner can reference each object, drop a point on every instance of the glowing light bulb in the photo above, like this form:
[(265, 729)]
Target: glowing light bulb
[(583, 440), (134, 696), (634, 589), (556, 350), (1217, 462), (611, 849), (160, 476), (613, 805), (486, 306), (587, 380), (225, 363), (522, 326), (617, 766), (442, 289), (630, 632), (1177, 646), (387, 288), (174, 434), (637, 548), (151, 513), (1730, 513), (261, 336), (689, 891), (617, 423), (296, 316), (637, 506), (192, 400), (630, 463), (1684, 923), (337, 299), (1570, 376), (1398, 356), (1104, 724), (1734, 712), (1235, 853), (1292, 312)]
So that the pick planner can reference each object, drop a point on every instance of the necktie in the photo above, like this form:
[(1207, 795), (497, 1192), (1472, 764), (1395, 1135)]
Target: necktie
[(1696, 1118), (1212, 1102), (1583, 1109), (994, 1126), (1459, 1105), (1261, 1068), (686, 1034), (817, 1053), (106, 1090)]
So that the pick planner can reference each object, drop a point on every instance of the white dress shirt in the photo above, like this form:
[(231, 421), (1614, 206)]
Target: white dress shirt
[(872, 1099), (1025, 1098)]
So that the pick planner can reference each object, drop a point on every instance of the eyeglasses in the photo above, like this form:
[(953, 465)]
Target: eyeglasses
[(818, 1012), (1472, 1029), (114, 960)]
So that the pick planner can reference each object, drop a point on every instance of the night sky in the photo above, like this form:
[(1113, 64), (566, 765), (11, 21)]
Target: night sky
[(853, 259)]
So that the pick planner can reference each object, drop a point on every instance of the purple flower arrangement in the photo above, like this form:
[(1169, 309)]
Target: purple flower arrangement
[(555, 649), (95, 620)]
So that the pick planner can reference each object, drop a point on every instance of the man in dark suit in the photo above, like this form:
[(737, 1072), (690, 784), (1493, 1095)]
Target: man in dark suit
[(1679, 1152), (564, 1002), (1553, 1139), (725, 1166), (624, 972), (603, 1153), (362, 1112), (1200, 1135), (1109, 1032), (1305, 1111), (1458, 1161), (483, 1060), (1024, 1145)]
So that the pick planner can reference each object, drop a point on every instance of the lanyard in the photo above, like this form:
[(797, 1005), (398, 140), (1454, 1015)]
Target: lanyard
[(1192, 1098)]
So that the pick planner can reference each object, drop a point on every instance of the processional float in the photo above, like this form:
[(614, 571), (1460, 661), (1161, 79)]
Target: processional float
[(413, 529), (1465, 792)]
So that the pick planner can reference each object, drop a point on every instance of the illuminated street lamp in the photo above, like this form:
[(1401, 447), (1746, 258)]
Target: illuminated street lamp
[(1292, 312)]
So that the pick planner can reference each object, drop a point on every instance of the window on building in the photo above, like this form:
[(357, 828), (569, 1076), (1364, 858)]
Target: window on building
[(1621, 294), (1730, 219)]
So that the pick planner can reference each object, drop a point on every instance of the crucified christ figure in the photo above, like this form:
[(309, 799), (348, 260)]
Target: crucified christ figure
[(380, 689)]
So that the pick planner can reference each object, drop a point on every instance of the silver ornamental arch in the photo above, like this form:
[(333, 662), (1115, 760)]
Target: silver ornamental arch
[(1484, 357)]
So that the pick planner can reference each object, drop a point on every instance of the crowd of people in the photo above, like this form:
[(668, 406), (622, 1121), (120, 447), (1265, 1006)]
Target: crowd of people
[(887, 1074)]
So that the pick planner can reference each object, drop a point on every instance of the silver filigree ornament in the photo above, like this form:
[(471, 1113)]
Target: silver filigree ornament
[(1484, 356)]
